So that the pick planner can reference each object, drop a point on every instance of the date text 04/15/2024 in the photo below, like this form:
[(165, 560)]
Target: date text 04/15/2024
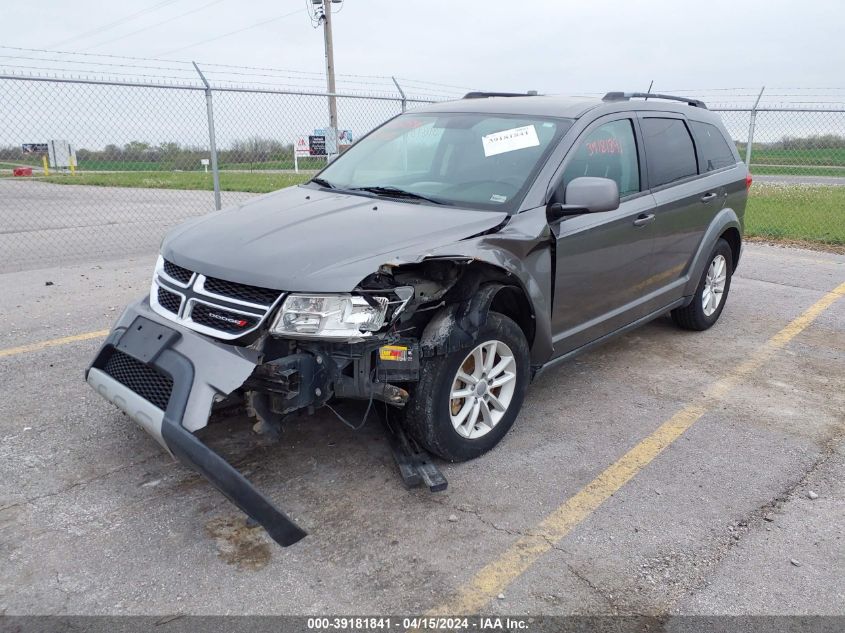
[(422, 623)]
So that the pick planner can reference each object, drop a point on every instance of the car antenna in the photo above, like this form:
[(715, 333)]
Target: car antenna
[(648, 92)]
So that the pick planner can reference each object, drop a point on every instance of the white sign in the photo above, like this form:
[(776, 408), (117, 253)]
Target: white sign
[(61, 154), (510, 140), (203, 161), (331, 138), (301, 147)]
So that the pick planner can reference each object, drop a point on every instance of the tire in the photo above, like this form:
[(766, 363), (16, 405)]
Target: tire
[(429, 414), (696, 316)]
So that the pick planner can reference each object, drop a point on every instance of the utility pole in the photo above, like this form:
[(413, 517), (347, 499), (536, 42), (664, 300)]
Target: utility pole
[(327, 34)]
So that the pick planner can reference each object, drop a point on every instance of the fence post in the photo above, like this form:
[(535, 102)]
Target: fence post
[(401, 92), (751, 124), (212, 143)]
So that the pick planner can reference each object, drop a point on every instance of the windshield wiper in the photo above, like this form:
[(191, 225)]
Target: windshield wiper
[(323, 183), (396, 192)]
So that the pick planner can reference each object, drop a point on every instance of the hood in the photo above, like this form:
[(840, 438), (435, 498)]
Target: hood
[(304, 239)]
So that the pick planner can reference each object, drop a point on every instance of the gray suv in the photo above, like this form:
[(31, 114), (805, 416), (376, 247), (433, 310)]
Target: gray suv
[(437, 266)]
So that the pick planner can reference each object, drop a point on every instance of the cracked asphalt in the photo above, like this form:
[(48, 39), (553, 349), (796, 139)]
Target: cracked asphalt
[(96, 519)]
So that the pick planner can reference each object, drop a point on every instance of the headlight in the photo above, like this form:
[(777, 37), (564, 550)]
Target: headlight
[(338, 317)]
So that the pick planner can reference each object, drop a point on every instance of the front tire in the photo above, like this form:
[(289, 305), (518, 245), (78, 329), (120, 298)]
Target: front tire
[(712, 291), (466, 401)]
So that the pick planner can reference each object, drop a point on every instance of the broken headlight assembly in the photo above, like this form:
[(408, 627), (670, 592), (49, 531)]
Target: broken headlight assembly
[(339, 317)]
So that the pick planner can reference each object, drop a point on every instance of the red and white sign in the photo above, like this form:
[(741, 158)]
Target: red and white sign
[(301, 147)]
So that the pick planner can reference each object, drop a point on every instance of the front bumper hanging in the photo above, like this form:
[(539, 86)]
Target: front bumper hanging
[(154, 356)]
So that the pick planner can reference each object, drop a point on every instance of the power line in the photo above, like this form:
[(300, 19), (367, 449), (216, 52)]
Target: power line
[(157, 24), (219, 37), (117, 22)]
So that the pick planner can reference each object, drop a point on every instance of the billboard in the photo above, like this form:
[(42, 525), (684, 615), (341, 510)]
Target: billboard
[(34, 148)]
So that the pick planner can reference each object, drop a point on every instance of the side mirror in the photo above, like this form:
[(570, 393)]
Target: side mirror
[(586, 194)]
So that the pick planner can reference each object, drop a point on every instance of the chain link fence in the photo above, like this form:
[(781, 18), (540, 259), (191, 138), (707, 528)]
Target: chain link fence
[(797, 158), (92, 168), (103, 168)]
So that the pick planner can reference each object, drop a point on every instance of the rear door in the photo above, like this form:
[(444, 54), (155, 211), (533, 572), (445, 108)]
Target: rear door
[(602, 262), (684, 202)]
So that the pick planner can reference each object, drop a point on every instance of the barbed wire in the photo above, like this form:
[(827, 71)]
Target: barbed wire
[(94, 66)]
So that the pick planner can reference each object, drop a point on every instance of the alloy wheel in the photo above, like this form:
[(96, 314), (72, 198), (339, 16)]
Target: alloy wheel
[(714, 285), (482, 389)]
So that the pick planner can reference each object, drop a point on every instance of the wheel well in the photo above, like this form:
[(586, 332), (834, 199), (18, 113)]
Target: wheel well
[(732, 237), (512, 302), (464, 282)]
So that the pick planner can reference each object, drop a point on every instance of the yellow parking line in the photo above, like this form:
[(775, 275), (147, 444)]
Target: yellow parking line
[(34, 347), (495, 577)]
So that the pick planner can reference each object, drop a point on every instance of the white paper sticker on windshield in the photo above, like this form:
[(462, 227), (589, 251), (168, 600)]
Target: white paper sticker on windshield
[(510, 140)]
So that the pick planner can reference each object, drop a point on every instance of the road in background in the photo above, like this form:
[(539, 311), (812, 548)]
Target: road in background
[(46, 225)]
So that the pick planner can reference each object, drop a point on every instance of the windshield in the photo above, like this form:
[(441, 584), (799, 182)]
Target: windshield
[(471, 160)]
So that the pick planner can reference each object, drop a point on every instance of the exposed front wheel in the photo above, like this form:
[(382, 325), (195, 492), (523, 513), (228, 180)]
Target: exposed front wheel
[(711, 293), (467, 401)]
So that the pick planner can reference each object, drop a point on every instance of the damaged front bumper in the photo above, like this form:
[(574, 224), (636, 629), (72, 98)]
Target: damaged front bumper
[(166, 378)]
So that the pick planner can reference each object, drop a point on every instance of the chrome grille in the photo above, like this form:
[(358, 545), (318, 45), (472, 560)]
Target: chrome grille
[(182, 275), (241, 292), (170, 301), (223, 320), (223, 309)]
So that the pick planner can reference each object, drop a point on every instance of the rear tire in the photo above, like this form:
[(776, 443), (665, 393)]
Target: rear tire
[(712, 291), (466, 401)]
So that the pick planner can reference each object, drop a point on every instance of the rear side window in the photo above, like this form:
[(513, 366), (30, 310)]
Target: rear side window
[(713, 148), (670, 153), (609, 151)]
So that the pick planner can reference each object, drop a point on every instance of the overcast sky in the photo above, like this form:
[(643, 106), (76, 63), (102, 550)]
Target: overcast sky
[(552, 46)]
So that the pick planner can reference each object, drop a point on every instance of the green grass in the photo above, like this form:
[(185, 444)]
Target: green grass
[(796, 212), (6, 164), (796, 162), (809, 157), (304, 163), (246, 181), (796, 170)]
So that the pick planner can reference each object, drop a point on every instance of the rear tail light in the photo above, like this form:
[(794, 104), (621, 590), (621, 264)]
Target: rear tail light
[(748, 180)]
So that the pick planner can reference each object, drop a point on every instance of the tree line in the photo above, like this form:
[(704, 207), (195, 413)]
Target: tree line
[(171, 155)]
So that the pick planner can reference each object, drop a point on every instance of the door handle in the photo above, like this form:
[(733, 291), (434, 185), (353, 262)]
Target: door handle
[(707, 197), (643, 219)]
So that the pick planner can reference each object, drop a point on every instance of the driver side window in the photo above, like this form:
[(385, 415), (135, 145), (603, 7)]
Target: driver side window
[(609, 151)]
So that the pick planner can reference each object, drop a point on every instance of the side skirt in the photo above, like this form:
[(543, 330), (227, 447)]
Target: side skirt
[(625, 328)]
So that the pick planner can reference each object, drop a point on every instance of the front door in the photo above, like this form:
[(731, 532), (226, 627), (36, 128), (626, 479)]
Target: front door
[(603, 260)]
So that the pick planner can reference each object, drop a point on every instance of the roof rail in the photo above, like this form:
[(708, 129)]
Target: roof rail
[(626, 96), (484, 95)]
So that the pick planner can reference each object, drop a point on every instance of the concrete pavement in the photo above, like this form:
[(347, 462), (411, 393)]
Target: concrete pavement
[(94, 518)]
